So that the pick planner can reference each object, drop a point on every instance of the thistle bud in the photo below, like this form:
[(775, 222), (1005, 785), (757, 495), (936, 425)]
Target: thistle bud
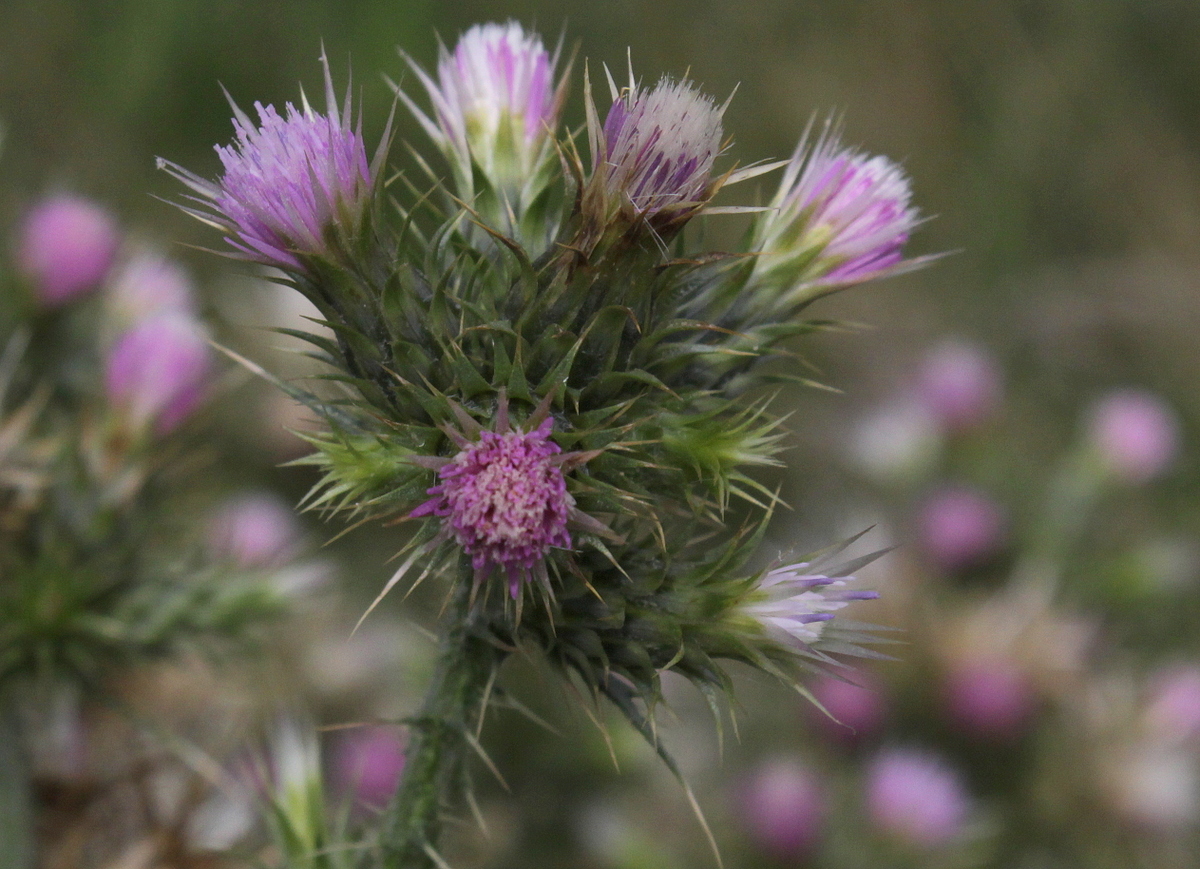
[(65, 247), (916, 797), (155, 374), (792, 606), (653, 158), (254, 530), (1135, 434), (784, 809), (148, 284), (293, 184), (495, 105), (839, 218)]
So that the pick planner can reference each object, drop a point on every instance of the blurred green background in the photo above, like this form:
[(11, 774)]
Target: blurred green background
[(1054, 146)]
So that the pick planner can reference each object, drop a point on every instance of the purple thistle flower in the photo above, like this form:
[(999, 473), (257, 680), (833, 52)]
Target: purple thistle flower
[(504, 499), (783, 807), (793, 606), (961, 528), (368, 762), (991, 698), (916, 797), (149, 283), (1134, 433), (960, 385), (840, 217), (292, 182), (254, 530), (655, 153), (66, 246), (495, 102), (155, 374)]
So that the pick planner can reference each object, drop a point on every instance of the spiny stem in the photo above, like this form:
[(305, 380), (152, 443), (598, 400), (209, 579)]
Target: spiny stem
[(440, 741)]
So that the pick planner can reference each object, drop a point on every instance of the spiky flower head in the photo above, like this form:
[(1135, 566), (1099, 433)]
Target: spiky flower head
[(294, 183), (653, 158), (792, 605), (840, 217), (503, 497), (495, 105)]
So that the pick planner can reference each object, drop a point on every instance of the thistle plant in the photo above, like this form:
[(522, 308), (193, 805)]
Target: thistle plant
[(98, 577), (562, 400)]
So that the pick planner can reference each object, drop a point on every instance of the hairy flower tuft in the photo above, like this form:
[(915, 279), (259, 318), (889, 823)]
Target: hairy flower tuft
[(840, 217), (505, 499), (291, 182), (793, 606), (656, 150)]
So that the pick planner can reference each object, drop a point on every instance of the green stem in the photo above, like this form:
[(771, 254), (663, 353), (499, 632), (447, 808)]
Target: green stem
[(439, 741)]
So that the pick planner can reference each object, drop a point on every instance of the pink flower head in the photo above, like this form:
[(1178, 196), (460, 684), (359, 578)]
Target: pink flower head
[(495, 101), (155, 374), (840, 217), (783, 807), (1173, 710), (989, 698), (960, 527), (916, 797), (858, 710), (960, 385), (291, 181), (656, 150), (367, 762), (792, 606), (147, 284), (254, 530), (66, 246), (505, 500), (1135, 434)]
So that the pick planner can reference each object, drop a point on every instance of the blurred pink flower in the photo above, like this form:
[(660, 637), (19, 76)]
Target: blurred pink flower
[(367, 762), (991, 698), (1135, 434), (66, 246), (959, 384), (859, 709), (960, 527), (254, 530), (156, 373), (916, 797), (783, 808), (149, 283), (1173, 710)]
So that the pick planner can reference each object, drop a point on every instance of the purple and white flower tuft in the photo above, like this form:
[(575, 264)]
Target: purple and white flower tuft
[(840, 217), (656, 150), (495, 102), (793, 606), (291, 182)]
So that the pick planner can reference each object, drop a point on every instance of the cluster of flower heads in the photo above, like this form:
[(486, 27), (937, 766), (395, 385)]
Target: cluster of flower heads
[(615, 358)]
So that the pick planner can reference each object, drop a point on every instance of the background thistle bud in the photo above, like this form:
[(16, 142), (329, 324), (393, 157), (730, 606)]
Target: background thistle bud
[(155, 374), (838, 218), (65, 247)]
